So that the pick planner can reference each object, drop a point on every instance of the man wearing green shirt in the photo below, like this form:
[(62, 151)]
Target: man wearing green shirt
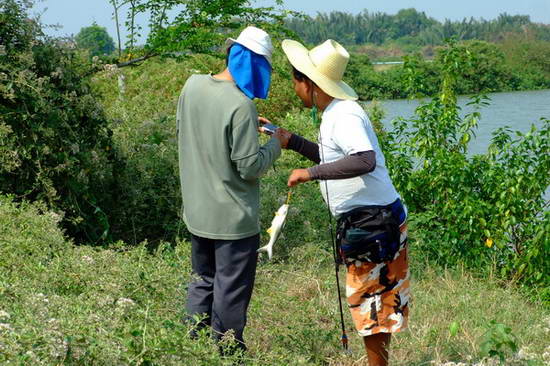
[(220, 163)]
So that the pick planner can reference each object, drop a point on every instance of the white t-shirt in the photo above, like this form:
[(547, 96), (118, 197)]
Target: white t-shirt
[(345, 130)]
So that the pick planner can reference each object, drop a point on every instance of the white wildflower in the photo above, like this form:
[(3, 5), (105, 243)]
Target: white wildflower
[(55, 216), (41, 297), (523, 354), (111, 70), (60, 348), (4, 316), (124, 305), (124, 302), (106, 301), (87, 259), (5, 327)]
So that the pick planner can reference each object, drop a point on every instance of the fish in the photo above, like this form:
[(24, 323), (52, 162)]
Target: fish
[(277, 225)]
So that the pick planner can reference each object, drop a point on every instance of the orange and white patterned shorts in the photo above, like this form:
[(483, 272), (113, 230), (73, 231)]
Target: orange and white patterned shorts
[(378, 293)]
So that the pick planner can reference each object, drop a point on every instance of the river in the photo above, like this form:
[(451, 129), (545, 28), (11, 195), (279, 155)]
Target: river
[(518, 110)]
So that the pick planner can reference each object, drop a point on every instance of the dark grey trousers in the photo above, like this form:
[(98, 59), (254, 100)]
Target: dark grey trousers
[(225, 271)]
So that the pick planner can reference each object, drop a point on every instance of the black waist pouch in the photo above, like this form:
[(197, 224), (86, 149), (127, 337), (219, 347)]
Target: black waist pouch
[(369, 233)]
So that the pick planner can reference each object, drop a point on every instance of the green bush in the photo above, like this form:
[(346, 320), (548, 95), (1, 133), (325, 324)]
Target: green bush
[(53, 127), (491, 68), (29, 238), (148, 187), (481, 210), (487, 70)]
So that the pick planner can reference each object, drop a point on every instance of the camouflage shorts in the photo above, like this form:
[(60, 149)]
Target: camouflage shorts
[(378, 293)]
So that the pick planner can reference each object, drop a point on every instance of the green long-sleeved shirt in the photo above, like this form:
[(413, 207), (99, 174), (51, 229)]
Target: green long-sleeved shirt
[(220, 159)]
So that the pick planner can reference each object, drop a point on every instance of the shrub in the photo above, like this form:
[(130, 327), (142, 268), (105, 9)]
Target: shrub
[(480, 210), (29, 237), (52, 127), (148, 187)]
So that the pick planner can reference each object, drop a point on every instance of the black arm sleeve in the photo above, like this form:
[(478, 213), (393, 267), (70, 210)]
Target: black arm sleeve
[(304, 147), (348, 167)]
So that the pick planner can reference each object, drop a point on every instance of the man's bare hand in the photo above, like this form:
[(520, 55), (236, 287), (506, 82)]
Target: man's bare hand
[(263, 121), (283, 136), (280, 133), (298, 176)]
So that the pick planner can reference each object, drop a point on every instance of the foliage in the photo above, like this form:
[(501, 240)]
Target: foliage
[(148, 186), (487, 70), (66, 304), (527, 57), (473, 209), (29, 238), (410, 27), (362, 28), (198, 26), (497, 339), (96, 40), (9, 159), (491, 68), (52, 127)]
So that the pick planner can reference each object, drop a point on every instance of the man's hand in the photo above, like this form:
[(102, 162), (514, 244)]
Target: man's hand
[(298, 176), (280, 133), (263, 121)]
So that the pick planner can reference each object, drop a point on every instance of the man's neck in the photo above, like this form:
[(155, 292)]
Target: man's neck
[(322, 100), (224, 75), (324, 103)]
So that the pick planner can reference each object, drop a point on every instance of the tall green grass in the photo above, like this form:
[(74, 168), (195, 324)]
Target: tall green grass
[(62, 304)]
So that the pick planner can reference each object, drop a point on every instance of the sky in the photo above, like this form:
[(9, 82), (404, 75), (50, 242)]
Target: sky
[(72, 15)]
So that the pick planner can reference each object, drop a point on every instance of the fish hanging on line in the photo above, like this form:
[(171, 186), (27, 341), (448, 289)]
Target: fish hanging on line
[(277, 225)]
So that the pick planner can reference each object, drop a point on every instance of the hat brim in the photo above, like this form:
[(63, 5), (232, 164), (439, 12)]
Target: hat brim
[(298, 56)]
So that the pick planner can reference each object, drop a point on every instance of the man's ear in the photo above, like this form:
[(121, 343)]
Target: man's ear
[(310, 86)]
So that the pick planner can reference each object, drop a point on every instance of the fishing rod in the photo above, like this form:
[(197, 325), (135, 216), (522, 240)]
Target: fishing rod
[(344, 338)]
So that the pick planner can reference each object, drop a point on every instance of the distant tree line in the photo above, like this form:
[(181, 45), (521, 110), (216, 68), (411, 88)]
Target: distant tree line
[(410, 26)]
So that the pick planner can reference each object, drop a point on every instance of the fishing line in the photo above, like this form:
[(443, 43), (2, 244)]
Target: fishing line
[(344, 337)]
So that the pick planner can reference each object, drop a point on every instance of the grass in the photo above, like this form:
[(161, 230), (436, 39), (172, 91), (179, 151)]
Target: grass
[(62, 304)]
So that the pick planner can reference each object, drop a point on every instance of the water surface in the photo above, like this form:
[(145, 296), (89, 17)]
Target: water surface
[(518, 110)]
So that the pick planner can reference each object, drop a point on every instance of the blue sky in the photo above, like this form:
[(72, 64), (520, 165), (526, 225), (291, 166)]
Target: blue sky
[(75, 14)]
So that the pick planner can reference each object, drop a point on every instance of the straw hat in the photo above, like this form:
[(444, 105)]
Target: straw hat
[(256, 40), (324, 65)]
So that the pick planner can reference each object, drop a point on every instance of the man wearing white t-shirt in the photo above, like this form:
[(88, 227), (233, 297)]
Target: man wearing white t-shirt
[(355, 183)]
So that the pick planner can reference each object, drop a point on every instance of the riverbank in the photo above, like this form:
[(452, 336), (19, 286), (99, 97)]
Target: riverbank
[(490, 67)]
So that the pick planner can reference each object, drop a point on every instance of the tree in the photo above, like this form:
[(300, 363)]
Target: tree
[(54, 135), (198, 26), (96, 40)]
